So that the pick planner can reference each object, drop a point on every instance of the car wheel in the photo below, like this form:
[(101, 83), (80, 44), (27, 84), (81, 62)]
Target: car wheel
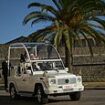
[(75, 96), (13, 93), (41, 96)]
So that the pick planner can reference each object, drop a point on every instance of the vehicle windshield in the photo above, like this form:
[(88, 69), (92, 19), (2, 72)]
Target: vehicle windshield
[(47, 65)]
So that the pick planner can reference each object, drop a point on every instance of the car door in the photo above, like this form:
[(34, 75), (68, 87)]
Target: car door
[(19, 79), (26, 81)]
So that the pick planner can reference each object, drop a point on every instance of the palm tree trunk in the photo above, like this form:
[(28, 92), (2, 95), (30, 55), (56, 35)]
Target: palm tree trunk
[(68, 59)]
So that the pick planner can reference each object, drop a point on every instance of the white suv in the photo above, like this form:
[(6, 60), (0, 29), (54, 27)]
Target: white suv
[(36, 69)]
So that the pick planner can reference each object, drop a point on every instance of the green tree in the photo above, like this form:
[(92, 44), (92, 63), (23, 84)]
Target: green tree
[(69, 20)]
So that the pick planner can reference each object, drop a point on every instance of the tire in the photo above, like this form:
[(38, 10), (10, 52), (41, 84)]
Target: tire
[(41, 97), (13, 93), (75, 96)]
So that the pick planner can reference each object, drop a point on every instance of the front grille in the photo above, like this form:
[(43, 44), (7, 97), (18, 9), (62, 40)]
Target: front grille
[(66, 81)]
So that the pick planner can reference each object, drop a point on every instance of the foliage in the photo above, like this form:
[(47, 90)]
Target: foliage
[(70, 20)]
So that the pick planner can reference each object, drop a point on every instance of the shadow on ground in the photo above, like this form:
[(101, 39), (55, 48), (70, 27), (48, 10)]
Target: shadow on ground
[(6, 100)]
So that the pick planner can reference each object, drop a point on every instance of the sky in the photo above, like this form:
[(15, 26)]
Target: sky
[(12, 13)]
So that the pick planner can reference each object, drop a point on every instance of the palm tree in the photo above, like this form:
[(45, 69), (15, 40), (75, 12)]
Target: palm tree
[(70, 19)]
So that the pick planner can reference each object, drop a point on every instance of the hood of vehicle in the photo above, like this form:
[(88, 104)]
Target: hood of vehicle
[(58, 74)]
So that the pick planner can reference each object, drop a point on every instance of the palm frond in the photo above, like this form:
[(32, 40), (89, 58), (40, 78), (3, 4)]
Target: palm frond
[(89, 45), (45, 7), (93, 33), (56, 2), (58, 38), (100, 21), (35, 15), (31, 16)]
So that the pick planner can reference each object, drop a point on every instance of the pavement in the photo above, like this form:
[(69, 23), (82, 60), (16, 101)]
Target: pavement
[(88, 97)]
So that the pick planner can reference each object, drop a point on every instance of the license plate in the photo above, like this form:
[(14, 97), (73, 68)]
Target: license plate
[(67, 88)]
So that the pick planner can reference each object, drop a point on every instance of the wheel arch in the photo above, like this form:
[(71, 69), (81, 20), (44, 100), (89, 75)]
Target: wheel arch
[(37, 85), (11, 84)]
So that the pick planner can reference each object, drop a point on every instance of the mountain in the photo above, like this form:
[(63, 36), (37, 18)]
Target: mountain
[(19, 39), (29, 38)]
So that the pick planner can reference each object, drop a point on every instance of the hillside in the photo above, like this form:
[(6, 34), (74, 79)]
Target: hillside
[(30, 38)]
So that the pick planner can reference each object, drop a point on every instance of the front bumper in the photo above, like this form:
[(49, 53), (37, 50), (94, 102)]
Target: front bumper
[(63, 90)]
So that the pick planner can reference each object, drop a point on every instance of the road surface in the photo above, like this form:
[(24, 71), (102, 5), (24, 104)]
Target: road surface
[(89, 97)]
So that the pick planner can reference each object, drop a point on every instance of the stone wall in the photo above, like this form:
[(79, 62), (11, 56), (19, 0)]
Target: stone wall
[(3, 52), (91, 68)]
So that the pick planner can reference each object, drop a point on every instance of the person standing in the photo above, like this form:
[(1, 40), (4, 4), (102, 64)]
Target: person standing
[(5, 73)]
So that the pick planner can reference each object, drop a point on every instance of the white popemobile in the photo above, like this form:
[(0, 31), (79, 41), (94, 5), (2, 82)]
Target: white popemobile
[(36, 69)]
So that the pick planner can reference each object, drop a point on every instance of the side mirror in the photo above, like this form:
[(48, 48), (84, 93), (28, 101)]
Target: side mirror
[(67, 69), (28, 72)]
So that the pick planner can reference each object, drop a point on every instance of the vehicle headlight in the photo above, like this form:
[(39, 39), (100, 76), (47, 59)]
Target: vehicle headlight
[(52, 81), (79, 79)]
